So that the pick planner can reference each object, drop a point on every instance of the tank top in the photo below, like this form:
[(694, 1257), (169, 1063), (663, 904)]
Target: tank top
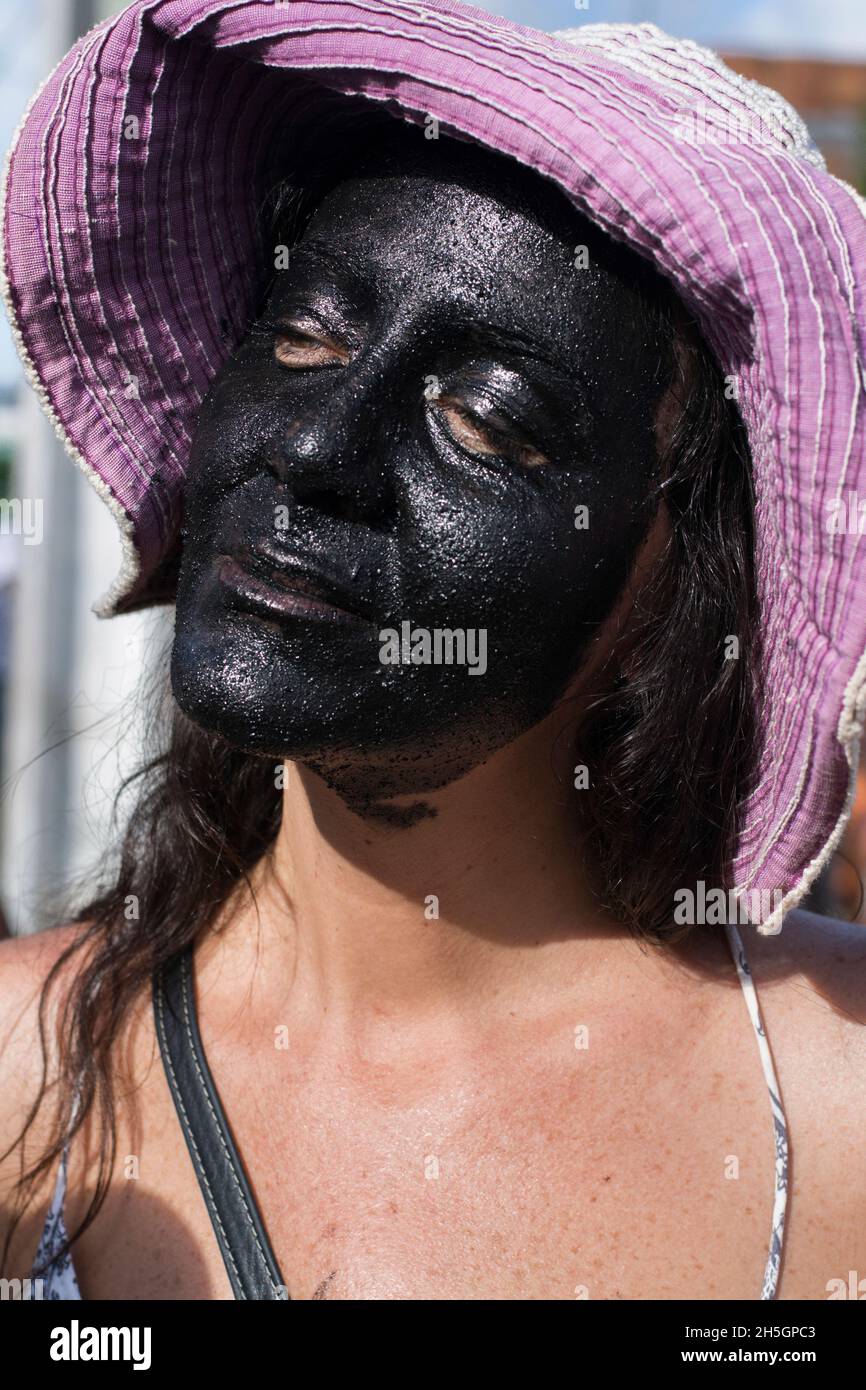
[(249, 1260)]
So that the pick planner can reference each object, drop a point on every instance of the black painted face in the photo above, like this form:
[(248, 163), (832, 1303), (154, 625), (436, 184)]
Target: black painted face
[(444, 418)]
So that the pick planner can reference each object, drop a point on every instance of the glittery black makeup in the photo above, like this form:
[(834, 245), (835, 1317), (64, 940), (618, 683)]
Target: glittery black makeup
[(433, 393)]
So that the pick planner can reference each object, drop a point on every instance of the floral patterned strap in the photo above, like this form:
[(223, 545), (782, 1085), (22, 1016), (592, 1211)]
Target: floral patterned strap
[(53, 1273), (780, 1125)]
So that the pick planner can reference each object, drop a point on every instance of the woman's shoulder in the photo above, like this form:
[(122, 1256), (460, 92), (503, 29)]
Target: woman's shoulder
[(26, 962), (811, 984), (62, 954), (25, 965), (813, 959), (811, 981)]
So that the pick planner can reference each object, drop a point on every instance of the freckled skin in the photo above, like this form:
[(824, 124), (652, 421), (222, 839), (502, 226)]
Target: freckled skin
[(443, 519)]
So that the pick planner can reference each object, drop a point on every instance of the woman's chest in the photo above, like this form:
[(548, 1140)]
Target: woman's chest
[(533, 1180), (532, 1208)]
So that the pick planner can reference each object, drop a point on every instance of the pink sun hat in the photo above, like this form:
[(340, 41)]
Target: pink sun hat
[(129, 254)]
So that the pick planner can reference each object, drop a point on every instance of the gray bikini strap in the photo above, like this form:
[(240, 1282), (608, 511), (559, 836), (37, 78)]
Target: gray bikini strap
[(249, 1260)]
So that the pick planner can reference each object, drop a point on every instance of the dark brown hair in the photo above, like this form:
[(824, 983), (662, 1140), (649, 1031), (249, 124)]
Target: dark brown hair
[(669, 735)]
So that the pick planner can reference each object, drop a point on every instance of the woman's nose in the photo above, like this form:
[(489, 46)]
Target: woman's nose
[(334, 454)]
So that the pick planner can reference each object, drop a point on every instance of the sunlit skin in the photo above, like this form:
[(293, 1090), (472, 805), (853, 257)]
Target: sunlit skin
[(432, 390)]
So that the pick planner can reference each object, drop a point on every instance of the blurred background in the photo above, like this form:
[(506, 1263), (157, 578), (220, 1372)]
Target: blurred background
[(68, 680)]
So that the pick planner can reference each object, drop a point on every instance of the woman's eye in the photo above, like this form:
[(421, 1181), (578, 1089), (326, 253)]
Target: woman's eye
[(473, 434), (295, 348)]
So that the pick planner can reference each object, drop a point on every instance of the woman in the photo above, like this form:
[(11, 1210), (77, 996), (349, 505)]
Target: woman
[(405, 983)]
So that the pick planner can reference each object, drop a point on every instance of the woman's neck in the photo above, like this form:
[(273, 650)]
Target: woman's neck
[(479, 908)]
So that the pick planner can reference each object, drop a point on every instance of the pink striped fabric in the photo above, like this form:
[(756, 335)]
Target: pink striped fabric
[(128, 240)]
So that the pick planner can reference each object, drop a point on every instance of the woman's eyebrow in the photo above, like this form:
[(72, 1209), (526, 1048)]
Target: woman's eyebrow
[(343, 264), (513, 341)]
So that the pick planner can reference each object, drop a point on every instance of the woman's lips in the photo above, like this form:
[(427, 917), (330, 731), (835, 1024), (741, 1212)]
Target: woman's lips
[(282, 592)]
